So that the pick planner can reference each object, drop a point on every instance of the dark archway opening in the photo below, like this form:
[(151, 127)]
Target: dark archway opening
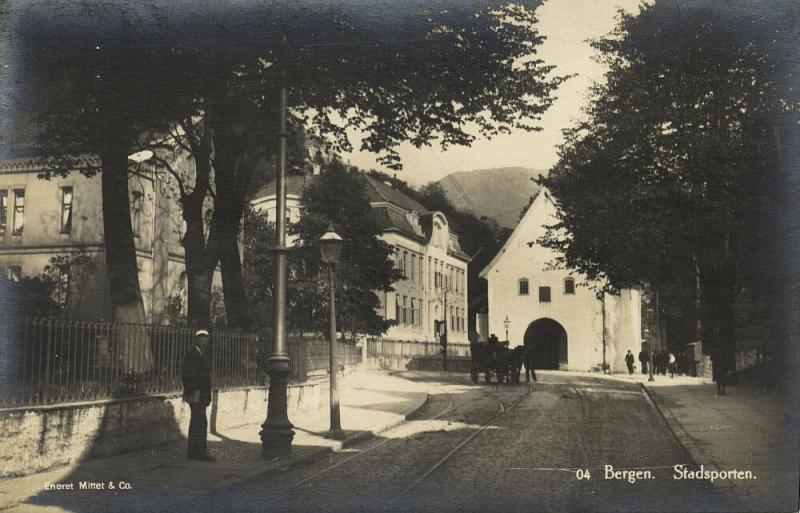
[(548, 339)]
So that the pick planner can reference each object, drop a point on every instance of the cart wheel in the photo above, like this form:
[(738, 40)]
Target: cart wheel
[(473, 374)]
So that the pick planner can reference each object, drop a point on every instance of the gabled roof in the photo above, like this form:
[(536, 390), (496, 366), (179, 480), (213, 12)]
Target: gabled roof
[(542, 195), (379, 192)]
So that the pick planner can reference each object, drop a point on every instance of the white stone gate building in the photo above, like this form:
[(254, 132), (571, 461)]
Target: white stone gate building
[(553, 309)]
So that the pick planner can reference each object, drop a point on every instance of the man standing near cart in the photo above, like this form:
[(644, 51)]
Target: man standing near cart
[(196, 377)]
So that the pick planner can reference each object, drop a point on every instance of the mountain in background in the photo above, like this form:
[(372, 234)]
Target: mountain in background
[(500, 193)]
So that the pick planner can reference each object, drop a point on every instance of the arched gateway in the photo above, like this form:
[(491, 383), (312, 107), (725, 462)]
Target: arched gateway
[(548, 339)]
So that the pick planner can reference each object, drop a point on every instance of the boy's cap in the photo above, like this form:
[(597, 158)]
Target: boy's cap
[(201, 332)]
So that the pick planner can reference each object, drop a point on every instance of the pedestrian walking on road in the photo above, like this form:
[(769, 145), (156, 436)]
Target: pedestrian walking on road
[(629, 361), (672, 361), (196, 377), (643, 360), (719, 370)]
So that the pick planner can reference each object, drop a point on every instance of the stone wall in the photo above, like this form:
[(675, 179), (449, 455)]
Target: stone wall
[(33, 439)]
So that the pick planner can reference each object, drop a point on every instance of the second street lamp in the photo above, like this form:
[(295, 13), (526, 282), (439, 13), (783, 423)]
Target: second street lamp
[(330, 246), (506, 323)]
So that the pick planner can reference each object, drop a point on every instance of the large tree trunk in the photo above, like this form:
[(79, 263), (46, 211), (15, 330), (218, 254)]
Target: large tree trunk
[(120, 254), (236, 304), (239, 140), (201, 259)]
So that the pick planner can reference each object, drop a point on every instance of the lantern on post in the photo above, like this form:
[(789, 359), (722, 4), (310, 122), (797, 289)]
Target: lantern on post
[(330, 247)]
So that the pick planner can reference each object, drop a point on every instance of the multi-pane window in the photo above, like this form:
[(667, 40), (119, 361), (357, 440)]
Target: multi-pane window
[(413, 264), (3, 211), (66, 209), (398, 310), (413, 312), (569, 286), (544, 294), (19, 211), (138, 205), (405, 309), (523, 287)]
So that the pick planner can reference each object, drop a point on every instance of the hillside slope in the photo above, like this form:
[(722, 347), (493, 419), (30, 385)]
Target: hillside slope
[(499, 193)]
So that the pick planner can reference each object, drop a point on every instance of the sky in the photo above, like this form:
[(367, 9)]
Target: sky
[(567, 25)]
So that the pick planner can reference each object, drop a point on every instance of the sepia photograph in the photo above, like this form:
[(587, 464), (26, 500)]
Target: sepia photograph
[(401, 256)]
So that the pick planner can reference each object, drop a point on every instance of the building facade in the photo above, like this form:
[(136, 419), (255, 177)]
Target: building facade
[(554, 310), (434, 289), (62, 217)]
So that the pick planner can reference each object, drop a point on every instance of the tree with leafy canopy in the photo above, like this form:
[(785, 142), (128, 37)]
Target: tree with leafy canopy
[(421, 72), (338, 196), (673, 178)]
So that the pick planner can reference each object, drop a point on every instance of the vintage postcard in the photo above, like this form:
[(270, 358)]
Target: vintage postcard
[(399, 255)]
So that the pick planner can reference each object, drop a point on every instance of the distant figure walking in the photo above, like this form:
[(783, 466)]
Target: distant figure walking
[(672, 361), (643, 360), (629, 361), (196, 377)]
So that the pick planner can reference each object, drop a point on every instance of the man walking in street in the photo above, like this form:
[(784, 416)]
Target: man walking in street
[(196, 377), (629, 361), (672, 361), (643, 360)]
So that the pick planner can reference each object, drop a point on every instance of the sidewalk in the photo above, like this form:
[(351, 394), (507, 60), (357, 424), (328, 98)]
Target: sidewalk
[(747, 429), (371, 401)]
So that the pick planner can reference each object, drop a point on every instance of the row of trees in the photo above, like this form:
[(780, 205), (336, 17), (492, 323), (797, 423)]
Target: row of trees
[(114, 79), (678, 176)]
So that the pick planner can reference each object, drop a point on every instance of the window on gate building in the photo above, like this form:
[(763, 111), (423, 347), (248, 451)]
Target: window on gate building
[(3, 211), (523, 287), (413, 320), (569, 286), (19, 211), (66, 209), (544, 294)]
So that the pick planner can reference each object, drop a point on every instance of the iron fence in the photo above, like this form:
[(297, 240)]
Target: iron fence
[(51, 361)]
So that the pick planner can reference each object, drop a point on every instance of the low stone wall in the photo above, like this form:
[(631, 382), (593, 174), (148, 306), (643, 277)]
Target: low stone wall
[(33, 439), (428, 363)]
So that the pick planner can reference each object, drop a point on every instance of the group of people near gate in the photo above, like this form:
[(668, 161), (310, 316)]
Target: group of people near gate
[(664, 361)]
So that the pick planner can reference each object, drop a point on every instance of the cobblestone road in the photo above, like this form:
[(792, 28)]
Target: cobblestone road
[(490, 448)]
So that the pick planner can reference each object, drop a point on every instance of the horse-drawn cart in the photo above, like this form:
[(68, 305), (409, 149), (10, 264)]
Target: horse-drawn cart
[(495, 357)]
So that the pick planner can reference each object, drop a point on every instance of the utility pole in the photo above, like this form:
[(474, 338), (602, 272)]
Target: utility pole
[(276, 431)]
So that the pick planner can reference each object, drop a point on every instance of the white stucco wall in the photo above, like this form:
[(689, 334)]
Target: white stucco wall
[(580, 314)]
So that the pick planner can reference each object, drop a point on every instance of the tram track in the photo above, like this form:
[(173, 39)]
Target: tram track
[(424, 425), (450, 408), (503, 409)]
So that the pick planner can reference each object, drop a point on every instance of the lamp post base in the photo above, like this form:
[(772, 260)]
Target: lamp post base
[(335, 435), (276, 432)]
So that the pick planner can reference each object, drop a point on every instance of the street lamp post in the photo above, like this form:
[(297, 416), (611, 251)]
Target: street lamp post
[(506, 323), (276, 431), (330, 245)]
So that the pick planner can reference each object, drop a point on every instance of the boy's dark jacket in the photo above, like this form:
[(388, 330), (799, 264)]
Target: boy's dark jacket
[(196, 375)]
